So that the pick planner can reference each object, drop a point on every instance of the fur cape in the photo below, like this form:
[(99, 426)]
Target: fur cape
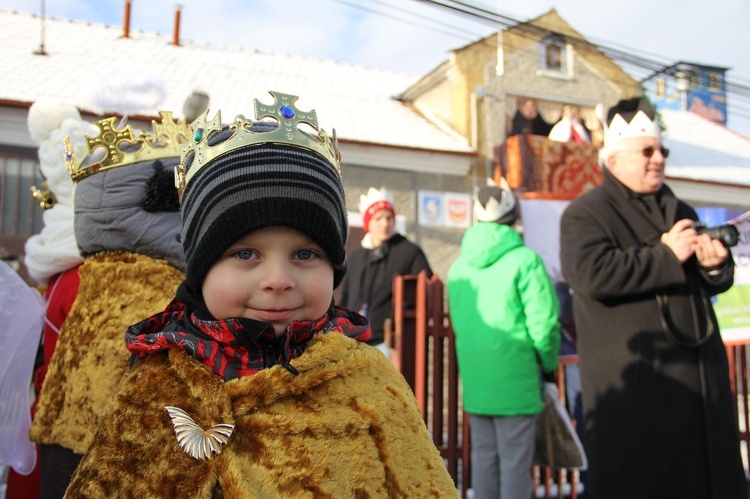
[(346, 426), (116, 289)]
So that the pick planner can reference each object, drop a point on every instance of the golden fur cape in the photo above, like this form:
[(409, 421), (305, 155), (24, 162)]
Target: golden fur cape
[(116, 289), (346, 426)]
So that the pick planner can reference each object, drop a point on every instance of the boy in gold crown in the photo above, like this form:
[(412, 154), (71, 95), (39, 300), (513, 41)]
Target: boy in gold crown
[(252, 383)]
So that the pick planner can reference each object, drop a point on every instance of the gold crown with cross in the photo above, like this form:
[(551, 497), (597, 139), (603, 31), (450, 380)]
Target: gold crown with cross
[(283, 111), (121, 148)]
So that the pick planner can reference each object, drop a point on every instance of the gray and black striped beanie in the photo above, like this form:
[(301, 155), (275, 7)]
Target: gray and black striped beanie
[(262, 185)]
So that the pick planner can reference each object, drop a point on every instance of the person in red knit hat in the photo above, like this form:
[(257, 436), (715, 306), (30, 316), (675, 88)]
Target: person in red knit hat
[(368, 285)]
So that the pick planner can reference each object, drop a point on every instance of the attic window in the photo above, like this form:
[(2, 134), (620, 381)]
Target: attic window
[(553, 56)]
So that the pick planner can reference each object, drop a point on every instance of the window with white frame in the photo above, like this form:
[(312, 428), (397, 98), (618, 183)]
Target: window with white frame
[(553, 57)]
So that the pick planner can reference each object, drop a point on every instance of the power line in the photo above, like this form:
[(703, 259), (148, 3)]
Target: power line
[(626, 55), (639, 67), (465, 34)]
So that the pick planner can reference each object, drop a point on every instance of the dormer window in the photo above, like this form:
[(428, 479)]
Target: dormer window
[(553, 56), (715, 82), (696, 80)]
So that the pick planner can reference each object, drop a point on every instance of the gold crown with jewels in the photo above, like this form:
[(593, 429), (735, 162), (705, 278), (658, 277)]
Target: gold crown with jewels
[(283, 111), (169, 135)]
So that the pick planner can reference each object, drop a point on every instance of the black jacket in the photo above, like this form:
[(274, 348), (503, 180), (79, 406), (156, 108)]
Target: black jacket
[(367, 287)]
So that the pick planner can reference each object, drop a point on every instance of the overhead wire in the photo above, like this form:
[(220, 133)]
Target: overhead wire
[(637, 66), (468, 35), (626, 54)]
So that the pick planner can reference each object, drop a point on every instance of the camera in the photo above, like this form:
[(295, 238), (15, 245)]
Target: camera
[(727, 234)]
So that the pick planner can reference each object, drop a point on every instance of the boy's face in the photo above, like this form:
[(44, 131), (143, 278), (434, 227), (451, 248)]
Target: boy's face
[(275, 275), (381, 227)]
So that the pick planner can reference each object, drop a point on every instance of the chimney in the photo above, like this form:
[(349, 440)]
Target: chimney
[(176, 37), (126, 21)]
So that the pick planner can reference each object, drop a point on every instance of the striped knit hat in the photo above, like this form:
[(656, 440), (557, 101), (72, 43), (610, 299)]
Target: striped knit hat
[(261, 185)]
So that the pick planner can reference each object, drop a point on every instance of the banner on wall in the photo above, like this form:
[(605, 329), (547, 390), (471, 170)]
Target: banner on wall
[(444, 209), (732, 307)]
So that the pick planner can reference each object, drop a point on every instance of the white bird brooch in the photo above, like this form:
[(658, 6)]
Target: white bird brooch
[(194, 440)]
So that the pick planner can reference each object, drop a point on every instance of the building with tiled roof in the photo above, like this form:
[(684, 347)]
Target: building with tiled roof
[(708, 163)]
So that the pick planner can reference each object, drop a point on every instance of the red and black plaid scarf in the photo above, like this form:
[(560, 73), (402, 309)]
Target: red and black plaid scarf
[(234, 348)]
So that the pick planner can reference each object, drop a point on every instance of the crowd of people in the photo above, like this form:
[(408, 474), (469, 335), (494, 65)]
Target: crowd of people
[(193, 347)]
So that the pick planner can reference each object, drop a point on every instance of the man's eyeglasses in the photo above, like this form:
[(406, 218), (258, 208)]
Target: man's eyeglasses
[(650, 150)]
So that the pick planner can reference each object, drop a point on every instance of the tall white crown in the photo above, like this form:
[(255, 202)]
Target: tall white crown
[(640, 126), (495, 210), (373, 196)]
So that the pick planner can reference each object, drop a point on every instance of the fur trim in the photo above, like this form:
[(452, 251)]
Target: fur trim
[(45, 115), (117, 289), (347, 426), (54, 249)]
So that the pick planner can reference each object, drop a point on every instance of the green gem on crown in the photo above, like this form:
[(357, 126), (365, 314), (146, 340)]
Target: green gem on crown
[(199, 135)]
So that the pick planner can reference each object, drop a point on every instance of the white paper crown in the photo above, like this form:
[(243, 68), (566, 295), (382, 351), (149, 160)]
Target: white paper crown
[(640, 126), (373, 196), (495, 210)]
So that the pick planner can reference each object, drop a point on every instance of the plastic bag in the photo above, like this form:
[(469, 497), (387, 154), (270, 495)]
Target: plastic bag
[(557, 444), (21, 322)]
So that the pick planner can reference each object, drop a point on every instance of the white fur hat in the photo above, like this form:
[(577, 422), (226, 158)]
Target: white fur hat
[(49, 122)]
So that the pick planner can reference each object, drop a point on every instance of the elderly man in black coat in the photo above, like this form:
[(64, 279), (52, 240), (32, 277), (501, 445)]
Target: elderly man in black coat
[(659, 417)]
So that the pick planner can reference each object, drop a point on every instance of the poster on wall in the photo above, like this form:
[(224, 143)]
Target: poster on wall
[(457, 210), (444, 209), (732, 307)]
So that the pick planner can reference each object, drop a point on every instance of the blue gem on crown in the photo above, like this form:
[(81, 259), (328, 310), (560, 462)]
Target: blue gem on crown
[(287, 112)]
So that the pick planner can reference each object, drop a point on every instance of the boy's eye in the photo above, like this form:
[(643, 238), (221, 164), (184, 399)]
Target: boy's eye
[(244, 254), (305, 254)]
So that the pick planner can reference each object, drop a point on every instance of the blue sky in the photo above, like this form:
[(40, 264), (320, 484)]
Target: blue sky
[(414, 37)]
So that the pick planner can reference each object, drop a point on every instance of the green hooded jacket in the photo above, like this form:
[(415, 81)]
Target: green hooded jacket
[(504, 311)]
